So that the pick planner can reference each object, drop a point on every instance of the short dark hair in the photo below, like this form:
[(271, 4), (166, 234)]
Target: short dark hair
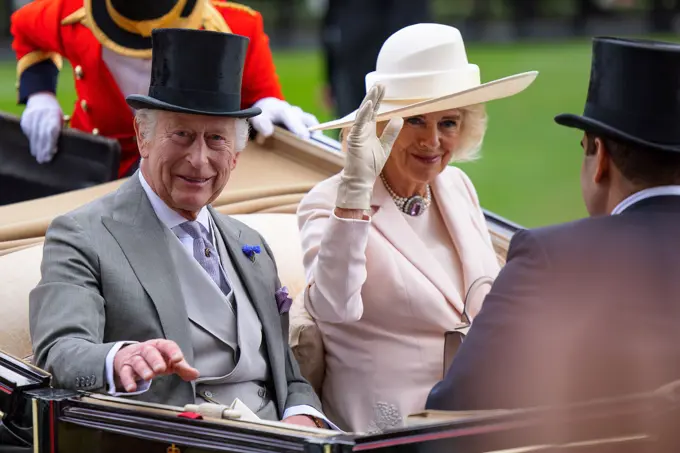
[(638, 164)]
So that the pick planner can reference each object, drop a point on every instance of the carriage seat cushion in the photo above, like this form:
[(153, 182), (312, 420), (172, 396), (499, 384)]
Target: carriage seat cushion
[(20, 273)]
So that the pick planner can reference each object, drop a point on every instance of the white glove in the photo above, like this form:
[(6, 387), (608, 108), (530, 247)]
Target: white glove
[(277, 111), (41, 122), (366, 153)]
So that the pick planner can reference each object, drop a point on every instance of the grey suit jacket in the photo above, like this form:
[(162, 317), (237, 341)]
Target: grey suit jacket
[(107, 276)]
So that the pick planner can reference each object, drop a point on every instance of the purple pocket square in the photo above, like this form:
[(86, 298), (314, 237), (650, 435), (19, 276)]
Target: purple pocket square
[(283, 301)]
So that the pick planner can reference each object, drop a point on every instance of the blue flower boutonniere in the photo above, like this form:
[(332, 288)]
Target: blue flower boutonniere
[(250, 251)]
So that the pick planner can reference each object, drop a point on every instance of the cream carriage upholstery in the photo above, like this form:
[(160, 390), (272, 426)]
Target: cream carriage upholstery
[(20, 273)]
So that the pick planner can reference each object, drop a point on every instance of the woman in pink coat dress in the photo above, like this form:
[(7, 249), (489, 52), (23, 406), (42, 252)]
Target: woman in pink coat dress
[(394, 242)]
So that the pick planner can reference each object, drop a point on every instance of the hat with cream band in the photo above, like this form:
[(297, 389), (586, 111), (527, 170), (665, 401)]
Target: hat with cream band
[(425, 69)]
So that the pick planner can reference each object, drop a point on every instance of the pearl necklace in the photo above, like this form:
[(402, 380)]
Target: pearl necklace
[(414, 205)]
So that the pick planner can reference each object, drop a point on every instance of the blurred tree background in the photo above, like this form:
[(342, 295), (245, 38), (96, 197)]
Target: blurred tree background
[(529, 170)]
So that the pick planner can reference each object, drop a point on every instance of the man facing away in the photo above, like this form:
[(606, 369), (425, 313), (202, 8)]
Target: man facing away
[(150, 293), (590, 309)]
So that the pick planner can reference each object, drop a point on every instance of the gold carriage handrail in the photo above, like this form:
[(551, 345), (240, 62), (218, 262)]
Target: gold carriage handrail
[(18, 248), (163, 409), (258, 205), (36, 369), (19, 243), (282, 209)]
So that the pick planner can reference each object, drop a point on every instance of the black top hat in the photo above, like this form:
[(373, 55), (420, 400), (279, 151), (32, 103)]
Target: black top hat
[(196, 71), (634, 93), (128, 23)]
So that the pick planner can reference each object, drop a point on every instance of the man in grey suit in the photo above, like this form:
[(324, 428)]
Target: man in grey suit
[(151, 294)]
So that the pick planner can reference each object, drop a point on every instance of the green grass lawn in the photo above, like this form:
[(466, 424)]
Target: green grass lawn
[(529, 170)]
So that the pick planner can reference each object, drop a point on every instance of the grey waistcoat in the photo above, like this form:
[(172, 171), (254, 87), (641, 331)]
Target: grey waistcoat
[(229, 351)]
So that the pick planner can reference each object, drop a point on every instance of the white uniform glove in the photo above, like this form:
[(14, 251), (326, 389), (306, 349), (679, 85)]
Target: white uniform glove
[(366, 153), (277, 111), (42, 121)]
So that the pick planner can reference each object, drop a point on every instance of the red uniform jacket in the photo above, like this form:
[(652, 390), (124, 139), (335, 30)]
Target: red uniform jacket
[(46, 30)]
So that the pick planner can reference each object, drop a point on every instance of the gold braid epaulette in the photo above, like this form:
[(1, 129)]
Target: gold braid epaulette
[(232, 5), (75, 17), (213, 20)]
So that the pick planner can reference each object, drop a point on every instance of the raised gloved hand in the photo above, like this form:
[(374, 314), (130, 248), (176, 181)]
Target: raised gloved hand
[(277, 111), (42, 121), (366, 153)]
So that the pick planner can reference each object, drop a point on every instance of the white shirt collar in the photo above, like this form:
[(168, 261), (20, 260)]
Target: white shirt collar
[(166, 215), (644, 194)]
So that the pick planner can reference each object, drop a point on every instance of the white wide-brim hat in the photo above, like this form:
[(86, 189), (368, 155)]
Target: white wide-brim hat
[(424, 69)]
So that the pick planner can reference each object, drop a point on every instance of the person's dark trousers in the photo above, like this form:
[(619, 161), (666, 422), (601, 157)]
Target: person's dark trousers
[(475, 24), (524, 12), (353, 33), (662, 15), (286, 16)]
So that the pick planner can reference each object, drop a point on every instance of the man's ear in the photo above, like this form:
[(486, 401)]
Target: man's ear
[(234, 161), (602, 160), (141, 145)]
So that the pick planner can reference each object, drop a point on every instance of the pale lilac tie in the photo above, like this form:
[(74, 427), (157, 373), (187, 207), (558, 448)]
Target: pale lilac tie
[(206, 254)]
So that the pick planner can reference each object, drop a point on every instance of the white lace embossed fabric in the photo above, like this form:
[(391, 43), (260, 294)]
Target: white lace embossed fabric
[(387, 416)]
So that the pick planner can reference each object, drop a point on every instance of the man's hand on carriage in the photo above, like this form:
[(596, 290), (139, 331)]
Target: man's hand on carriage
[(277, 111), (144, 361), (42, 121)]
